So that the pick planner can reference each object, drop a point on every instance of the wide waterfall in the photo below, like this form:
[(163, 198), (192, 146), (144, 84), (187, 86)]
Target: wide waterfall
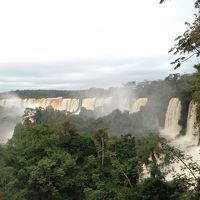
[(59, 103), (104, 105), (138, 104), (173, 115), (192, 132)]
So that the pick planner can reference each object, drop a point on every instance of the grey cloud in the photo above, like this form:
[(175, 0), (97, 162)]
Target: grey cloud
[(86, 73)]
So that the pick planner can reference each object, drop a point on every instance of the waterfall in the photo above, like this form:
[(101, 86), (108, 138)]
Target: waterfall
[(65, 105), (45, 102), (138, 104), (74, 106), (59, 103), (192, 132), (89, 103), (29, 102), (173, 116), (101, 102), (104, 104)]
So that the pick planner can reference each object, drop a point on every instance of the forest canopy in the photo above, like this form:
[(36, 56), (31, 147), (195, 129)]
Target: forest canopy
[(49, 159)]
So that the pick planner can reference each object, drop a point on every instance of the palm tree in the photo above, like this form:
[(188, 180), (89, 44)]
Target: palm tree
[(101, 135)]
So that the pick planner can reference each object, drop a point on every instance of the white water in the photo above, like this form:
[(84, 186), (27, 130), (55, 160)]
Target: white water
[(106, 104), (138, 104), (192, 131), (67, 104), (101, 102), (172, 117), (89, 103), (187, 143)]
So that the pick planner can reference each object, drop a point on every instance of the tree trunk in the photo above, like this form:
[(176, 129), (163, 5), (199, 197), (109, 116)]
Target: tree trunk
[(103, 151)]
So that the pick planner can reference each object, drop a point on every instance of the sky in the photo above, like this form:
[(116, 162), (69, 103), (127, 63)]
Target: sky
[(65, 44)]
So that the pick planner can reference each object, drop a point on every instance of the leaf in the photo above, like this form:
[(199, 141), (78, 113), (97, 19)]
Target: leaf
[(177, 66), (162, 1), (178, 38), (187, 23), (172, 49), (182, 58)]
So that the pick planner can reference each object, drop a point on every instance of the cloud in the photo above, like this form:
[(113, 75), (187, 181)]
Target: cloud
[(50, 30), (79, 44), (86, 73)]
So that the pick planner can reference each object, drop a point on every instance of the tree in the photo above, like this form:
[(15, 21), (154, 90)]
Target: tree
[(150, 154), (101, 136)]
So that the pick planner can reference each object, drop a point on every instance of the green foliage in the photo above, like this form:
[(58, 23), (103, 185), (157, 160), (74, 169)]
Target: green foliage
[(49, 159)]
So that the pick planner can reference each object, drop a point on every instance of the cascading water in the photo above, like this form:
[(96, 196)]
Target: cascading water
[(103, 105), (192, 132), (59, 103), (74, 106), (187, 143), (101, 102), (66, 104), (89, 103), (138, 104), (173, 115)]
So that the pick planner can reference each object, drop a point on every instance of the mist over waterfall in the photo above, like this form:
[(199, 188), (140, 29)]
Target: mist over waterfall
[(93, 106), (59, 103), (9, 117), (172, 117), (102, 104), (89, 103), (138, 104), (146, 119), (70, 105), (74, 105)]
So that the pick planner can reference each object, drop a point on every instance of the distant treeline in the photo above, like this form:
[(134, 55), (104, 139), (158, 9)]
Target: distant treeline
[(55, 93), (172, 85)]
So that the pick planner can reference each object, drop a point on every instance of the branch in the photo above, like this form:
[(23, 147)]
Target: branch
[(172, 150), (127, 178), (189, 57)]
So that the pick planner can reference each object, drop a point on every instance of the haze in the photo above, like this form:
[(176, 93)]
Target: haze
[(78, 44)]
